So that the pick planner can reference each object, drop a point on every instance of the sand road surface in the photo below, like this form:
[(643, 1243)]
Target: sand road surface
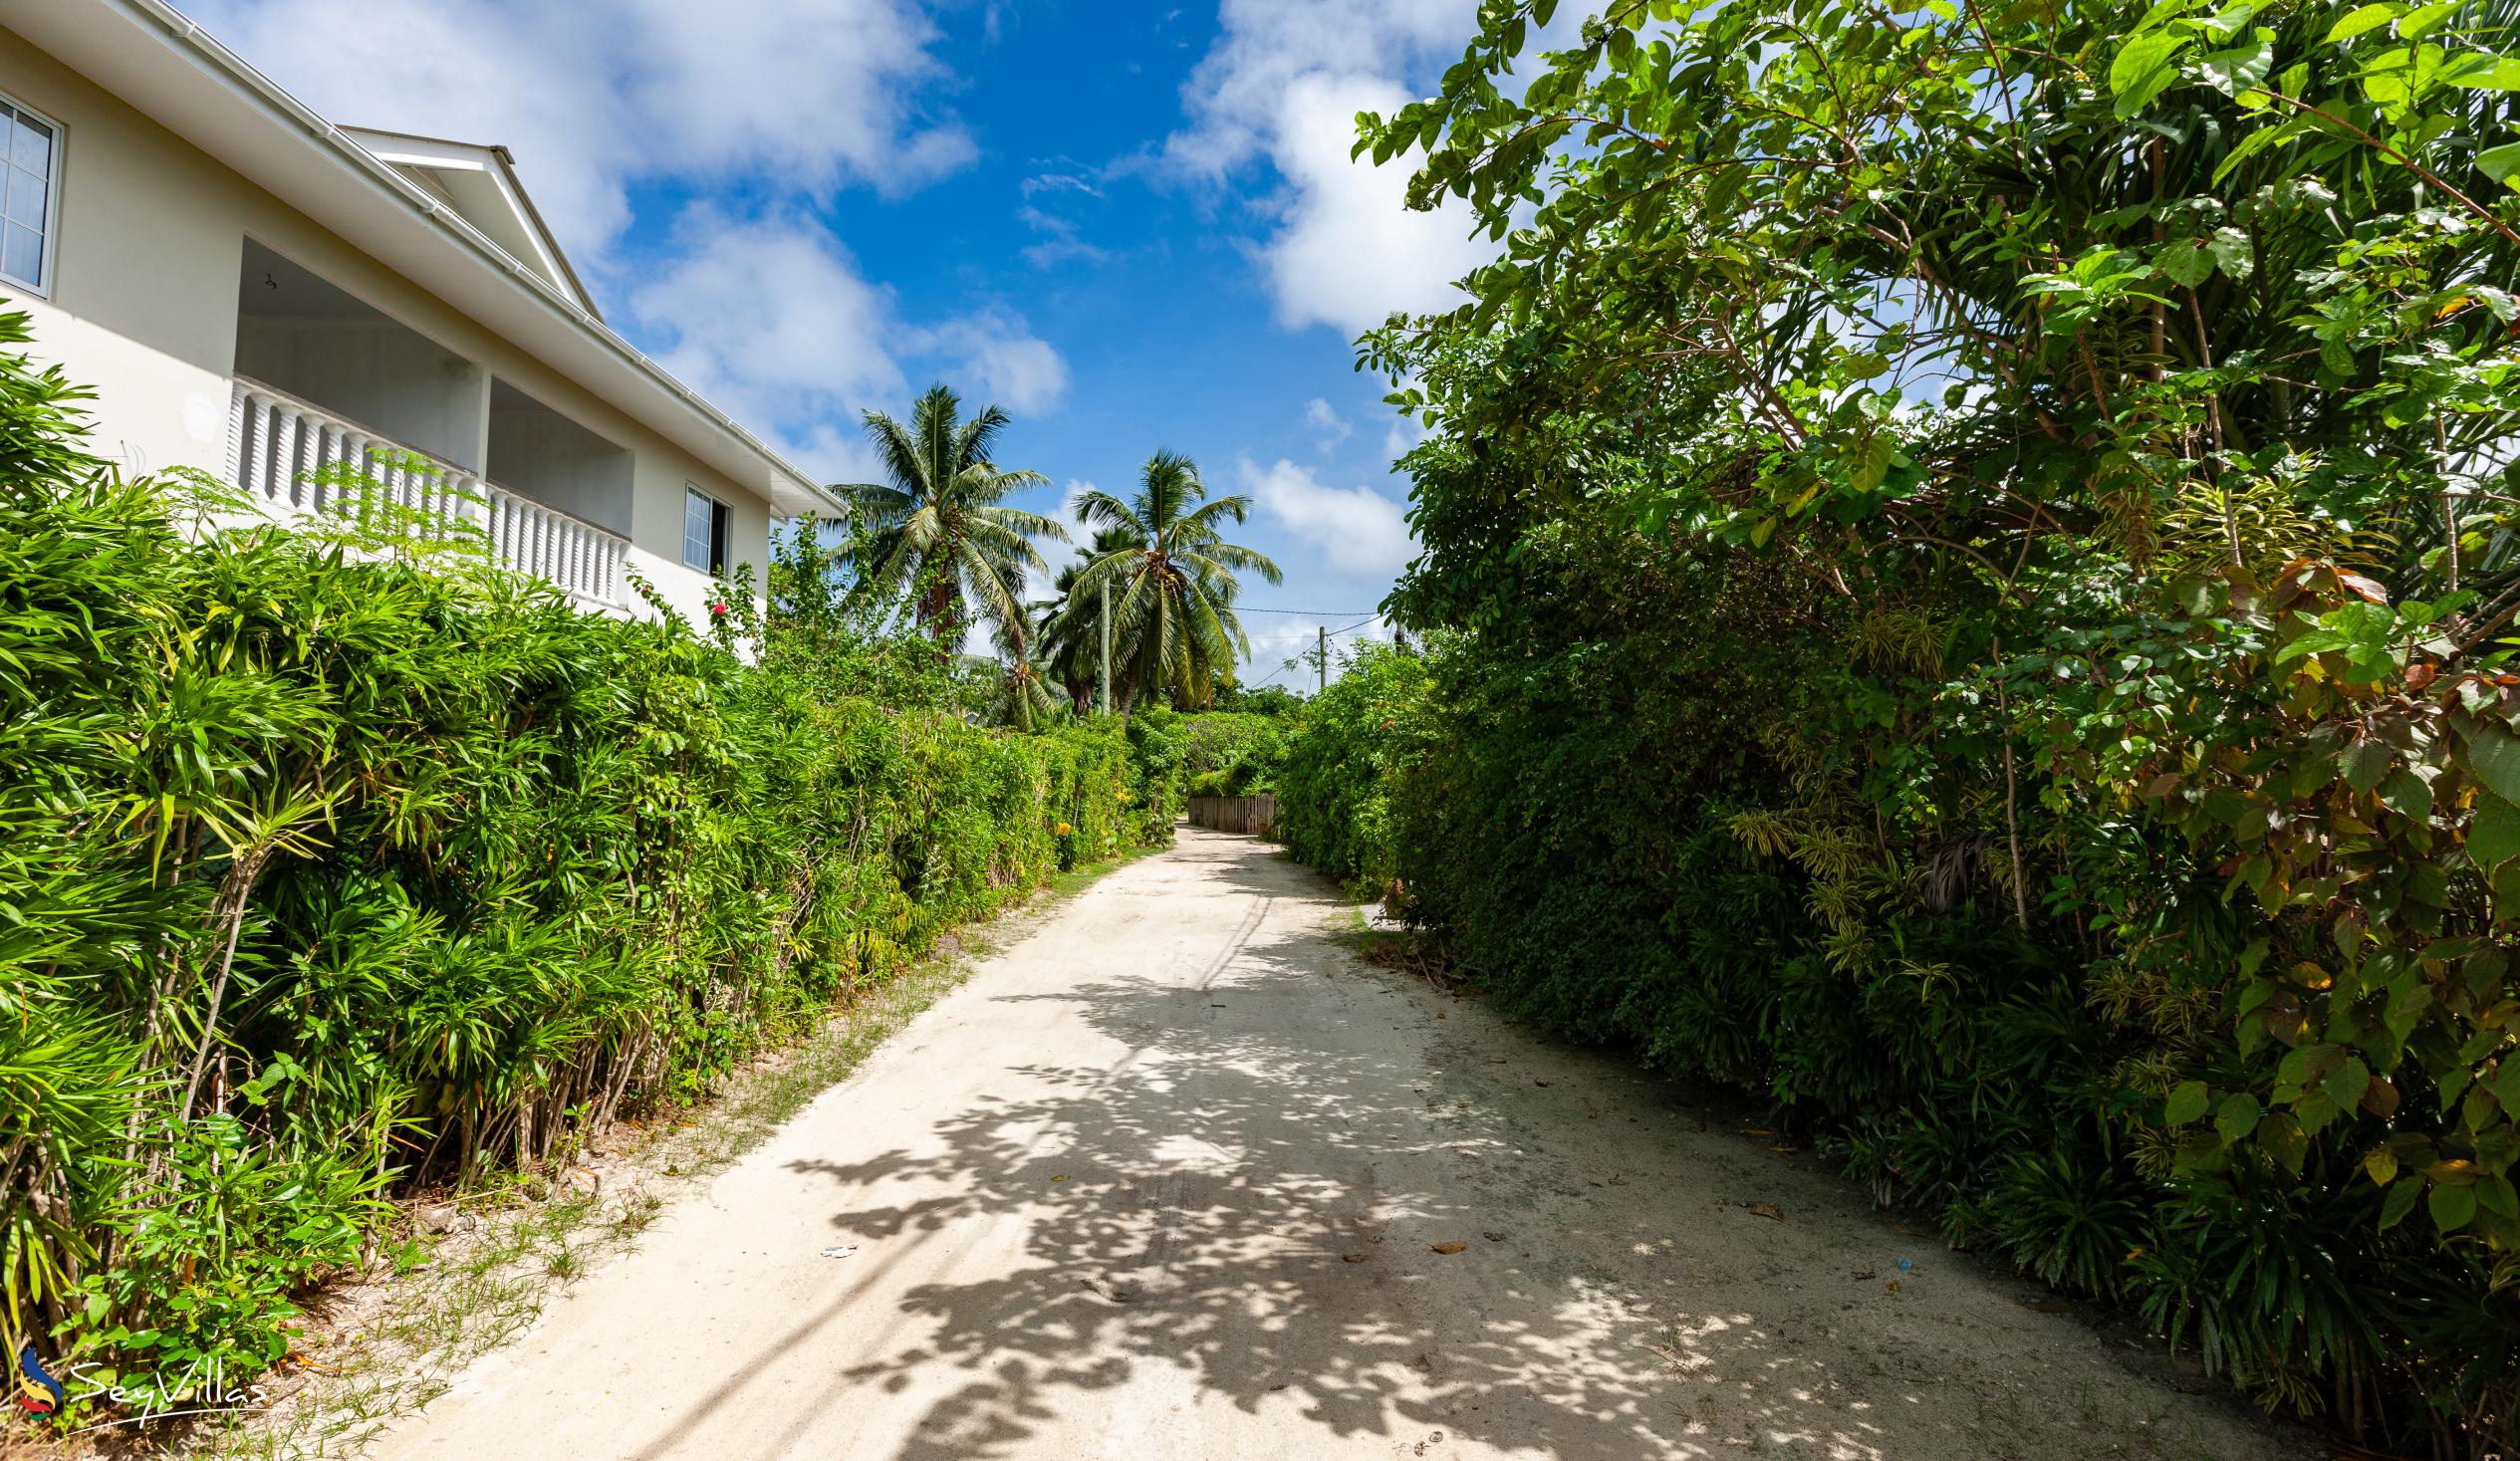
[(1177, 1177)]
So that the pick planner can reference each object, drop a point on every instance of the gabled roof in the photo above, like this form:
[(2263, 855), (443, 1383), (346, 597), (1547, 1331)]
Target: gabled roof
[(480, 183), (407, 215)]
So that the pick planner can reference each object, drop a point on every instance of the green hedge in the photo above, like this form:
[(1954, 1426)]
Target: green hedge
[(329, 867), (1233, 753), (1572, 829), (1336, 780)]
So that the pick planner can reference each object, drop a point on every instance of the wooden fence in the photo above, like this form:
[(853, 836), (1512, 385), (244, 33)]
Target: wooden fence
[(1253, 816)]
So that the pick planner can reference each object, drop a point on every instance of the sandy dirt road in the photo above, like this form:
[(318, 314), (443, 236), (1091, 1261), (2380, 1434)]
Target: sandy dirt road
[(1167, 1180)]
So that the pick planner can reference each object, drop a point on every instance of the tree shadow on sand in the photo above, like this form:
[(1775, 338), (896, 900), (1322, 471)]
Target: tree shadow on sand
[(1249, 1199)]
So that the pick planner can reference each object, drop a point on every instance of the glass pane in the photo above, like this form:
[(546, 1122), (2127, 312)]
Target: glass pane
[(695, 530), (22, 256), (26, 198), (33, 148)]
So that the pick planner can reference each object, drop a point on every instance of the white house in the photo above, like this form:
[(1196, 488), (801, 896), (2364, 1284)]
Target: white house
[(259, 293)]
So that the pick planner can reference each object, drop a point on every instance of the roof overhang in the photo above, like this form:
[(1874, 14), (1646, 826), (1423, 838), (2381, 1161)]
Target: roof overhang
[(481, 184), (170, 70)]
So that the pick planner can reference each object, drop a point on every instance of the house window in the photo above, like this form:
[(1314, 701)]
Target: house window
[(704, 524), (28, 196)]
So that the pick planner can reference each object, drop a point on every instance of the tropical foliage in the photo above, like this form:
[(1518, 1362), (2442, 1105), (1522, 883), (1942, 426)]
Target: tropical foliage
[(1974, 565), (1068, 627), (326, 871), (1172, 581), (1232, 753), (939, 532)]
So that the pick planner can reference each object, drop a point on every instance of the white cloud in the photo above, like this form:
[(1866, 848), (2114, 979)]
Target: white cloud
[(1331, 427), (1284, 83), (771, 319), (1264, 47), (993, 358), (1348, 252), (1360, 532), (1059, 240), (1054, 183), (769, 314), (594, 97)]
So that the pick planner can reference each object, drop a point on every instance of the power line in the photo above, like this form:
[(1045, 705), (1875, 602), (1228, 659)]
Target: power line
[(1288, 665), (1312, 613)]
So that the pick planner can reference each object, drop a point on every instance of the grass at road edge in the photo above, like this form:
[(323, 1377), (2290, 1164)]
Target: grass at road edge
[(382, 1348)]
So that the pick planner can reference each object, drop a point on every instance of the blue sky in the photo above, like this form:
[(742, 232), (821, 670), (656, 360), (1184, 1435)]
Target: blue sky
[(1131, 225)]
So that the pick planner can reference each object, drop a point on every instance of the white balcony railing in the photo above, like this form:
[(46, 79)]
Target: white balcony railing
[(278, 447)]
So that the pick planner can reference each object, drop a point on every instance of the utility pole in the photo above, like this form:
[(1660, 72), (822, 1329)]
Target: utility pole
[(1323, 662), (1106, 644)]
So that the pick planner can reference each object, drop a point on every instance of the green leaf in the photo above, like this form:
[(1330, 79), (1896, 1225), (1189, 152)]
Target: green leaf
[(2402, 1200), (2239, 1116), (2185, 262), (2239, 68), (2451, 1207), (2493, 835), (2506, 1086), (2364, 18), (2482, 71), (2424, 20), (2345, 1082), (2501, 163), (2408, 793), (2364, 764), (2380, 1164), (2495, 754), (2188, 1102), (2144, 68)]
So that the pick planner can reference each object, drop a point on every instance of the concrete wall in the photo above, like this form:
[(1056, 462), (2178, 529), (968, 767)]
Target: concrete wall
[(538, 451), (379, 374), (142, 306), (144, 309)]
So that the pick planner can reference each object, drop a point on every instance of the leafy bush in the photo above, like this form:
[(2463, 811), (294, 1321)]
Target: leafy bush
[(1335, 783), (1232, 754), (336, 861), (1978, 554)]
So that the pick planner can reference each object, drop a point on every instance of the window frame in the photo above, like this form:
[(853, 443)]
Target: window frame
[(49, 264), (721, 531)]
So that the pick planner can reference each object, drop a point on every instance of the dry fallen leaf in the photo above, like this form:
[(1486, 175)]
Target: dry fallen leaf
[(1059, 1179), (1911, 1233), (1619, 1181), (1894, 1286), (1789, 1150), (1448, 1249), (1351, 1257), (1767, 1210)]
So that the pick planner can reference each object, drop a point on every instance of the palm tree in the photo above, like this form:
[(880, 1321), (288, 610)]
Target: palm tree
[(1068, 627), (1023, 695), (937, 534), (1171, 579)]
